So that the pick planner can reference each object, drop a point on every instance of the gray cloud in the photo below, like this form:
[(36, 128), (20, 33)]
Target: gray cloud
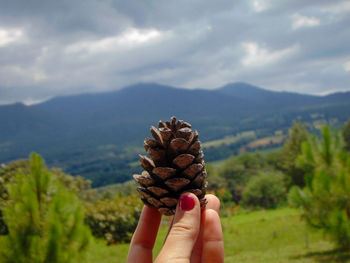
[(50, 48)]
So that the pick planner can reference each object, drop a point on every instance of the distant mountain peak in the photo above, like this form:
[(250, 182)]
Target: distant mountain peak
[(14, 105), (245, 87), (240, 84), (146, 86)]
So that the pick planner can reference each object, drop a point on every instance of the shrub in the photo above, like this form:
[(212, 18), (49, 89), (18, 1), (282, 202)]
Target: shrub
[(77, 185), (346, 136), (7, 175), (266, 190), (237, 171), (45, 221), (324, 200), (291, 150), (115, 220)]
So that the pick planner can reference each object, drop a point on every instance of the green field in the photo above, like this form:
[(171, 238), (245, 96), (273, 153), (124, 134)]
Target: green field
[(230, 139), (263, 236)]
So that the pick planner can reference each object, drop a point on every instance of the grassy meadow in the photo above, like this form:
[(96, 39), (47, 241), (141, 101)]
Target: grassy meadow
[(230, 139), (261, 236)]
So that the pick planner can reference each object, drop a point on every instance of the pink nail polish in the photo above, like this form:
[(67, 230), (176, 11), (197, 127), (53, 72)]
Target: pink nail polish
[(187, 202)]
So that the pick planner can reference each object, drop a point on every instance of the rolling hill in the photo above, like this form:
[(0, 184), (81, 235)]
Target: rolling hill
[(98, 135)]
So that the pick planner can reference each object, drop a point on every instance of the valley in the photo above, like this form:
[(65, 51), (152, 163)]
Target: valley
[(98, 136)]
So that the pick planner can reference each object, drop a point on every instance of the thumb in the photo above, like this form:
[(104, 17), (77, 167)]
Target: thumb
[(184, 232)]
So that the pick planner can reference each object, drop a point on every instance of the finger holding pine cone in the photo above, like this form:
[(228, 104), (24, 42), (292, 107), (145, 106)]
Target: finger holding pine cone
[(175, 166)]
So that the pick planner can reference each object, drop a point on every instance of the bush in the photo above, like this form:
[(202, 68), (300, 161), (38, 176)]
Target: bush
[(77, 185), (45, 221), (291, 150), (346, 136), (324, 200), (115, 220), (7, 175), (266, 190), (237, 171)]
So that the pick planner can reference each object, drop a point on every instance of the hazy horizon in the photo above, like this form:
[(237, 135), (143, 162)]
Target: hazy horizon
[(35, 102)]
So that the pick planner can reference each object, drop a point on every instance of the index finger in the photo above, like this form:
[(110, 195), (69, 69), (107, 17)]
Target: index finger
[(145, 235)]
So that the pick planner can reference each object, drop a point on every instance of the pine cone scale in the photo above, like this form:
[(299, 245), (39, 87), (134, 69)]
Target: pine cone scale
[(164, 172), (183, 160)]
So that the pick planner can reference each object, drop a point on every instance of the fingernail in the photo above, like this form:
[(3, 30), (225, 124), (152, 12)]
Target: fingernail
[(187, 202)]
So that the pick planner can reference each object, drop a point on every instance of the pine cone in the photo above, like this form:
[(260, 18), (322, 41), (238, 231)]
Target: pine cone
[(176, 166)]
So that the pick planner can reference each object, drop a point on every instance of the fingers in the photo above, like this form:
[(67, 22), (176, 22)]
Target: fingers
[(144, 237), (213, 244), (214, 204), (184, 232)]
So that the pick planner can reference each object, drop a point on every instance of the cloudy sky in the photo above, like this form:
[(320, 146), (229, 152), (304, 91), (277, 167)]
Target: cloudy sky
[(50, 48)]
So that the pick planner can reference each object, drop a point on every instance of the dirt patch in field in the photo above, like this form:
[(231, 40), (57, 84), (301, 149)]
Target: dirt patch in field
[(262, 143)]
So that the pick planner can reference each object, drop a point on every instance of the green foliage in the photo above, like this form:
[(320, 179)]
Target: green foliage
[(346, 136), (76, 184), (237, 171), (233, 174), (45, 220), (8, 172), (215, 181), (274, 160), (230, 180), (117, 190), (115, 220), (325, 200), (224, 195), (291, 150), (7, 175), (266, 190)]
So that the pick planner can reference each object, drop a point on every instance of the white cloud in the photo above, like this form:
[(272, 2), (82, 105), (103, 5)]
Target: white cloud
[(304, 21), (31, 101), (337, 8), (330, 91), (260, 5), (257, 56), (128, 39), (8, 36), (347, 66), (20, 75), (39, 75)]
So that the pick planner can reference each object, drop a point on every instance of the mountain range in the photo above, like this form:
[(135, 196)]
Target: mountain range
[(84, 133)]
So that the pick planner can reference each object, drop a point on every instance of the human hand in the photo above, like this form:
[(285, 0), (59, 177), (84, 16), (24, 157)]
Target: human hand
[(194, 236)]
